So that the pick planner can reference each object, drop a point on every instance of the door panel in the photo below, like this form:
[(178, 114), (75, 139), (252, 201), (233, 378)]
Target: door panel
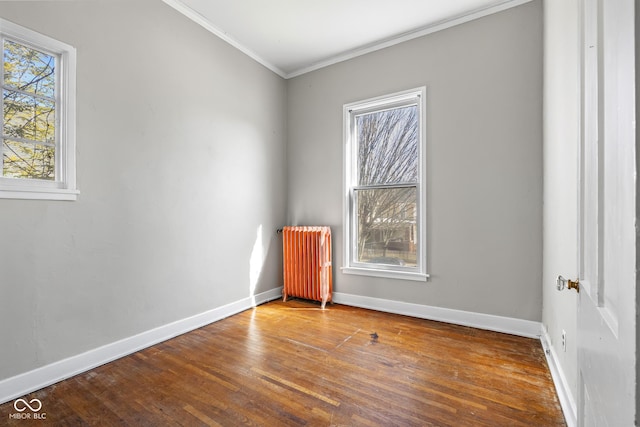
[(606, 312)]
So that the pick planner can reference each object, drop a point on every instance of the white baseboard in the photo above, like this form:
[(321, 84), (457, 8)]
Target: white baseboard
[(14, 387), (508, 325), (525, 328), (567, 400)]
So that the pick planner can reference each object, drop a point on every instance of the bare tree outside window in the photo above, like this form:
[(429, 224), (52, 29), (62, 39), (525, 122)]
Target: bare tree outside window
[(38, 110), (29, 110), (386, 194)]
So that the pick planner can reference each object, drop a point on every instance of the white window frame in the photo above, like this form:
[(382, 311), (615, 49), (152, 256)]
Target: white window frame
[(64, 185), (416, 97)]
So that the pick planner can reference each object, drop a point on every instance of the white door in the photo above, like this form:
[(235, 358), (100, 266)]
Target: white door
[(606, 311)]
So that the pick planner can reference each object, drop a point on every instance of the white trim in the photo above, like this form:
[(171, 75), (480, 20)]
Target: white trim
[(36, 379), (354, 53), (19, 385), (209, 26), (40, 194), (567, 401), (507, 325), (416, 96), (387, 274), (429, 29), (64, 187)]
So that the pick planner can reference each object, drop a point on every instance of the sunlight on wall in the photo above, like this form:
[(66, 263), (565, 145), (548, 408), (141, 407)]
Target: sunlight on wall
[(256, 262)]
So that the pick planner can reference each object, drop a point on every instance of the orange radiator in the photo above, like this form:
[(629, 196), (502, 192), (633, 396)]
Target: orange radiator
[(307, 263)]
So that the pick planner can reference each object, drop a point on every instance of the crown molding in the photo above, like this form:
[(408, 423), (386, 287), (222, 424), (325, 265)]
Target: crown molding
[(429, 29), (209, 26), (354, 53)]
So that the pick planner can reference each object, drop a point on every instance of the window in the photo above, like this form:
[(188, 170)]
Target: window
[(38, 116), (384, 220)]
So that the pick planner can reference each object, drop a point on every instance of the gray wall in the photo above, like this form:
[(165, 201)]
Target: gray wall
[(181, 148), (484, 168), (185, 175)]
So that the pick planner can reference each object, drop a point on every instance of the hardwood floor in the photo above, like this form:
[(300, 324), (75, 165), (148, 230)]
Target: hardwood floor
[(292, 364)]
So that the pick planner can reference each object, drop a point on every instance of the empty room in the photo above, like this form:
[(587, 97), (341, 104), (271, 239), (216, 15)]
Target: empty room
[(324, 213)]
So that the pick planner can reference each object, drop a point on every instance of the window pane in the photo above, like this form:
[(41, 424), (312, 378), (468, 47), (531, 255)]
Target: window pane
[(28, 69), (388, 146), (28, 117), (386, 226), (24, 160)]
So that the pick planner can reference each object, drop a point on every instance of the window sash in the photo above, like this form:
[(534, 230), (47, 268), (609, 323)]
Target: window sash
[(63, 186), (391, 226), (352, 264), (7, 88)]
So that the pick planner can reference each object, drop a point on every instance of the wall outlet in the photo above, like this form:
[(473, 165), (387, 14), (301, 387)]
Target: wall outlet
[(564, 340)]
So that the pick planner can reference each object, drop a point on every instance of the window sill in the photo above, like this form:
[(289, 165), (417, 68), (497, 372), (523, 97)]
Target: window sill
[(389, 274), (39, 194)]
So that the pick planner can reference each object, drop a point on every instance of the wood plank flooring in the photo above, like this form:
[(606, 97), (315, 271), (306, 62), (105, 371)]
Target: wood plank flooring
[(293, 364)]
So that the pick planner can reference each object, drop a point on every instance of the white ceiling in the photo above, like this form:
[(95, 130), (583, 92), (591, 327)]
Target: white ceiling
[(292, 37)]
